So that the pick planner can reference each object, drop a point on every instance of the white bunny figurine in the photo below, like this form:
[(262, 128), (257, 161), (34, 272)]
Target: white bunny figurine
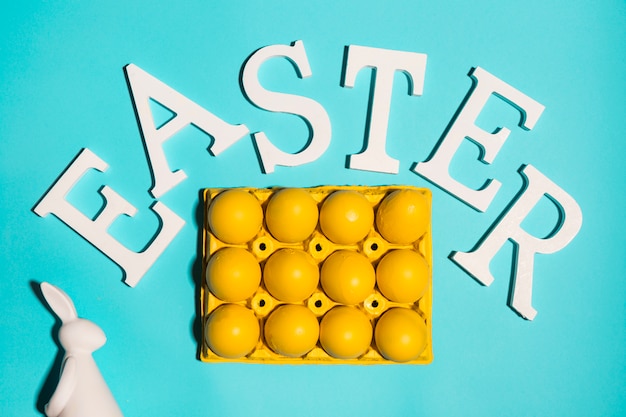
[(82, 391)]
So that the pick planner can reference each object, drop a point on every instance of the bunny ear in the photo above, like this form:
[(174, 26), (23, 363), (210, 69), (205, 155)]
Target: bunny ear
[(59, 302)]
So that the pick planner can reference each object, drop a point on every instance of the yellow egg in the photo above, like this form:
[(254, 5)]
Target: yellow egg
[(347, 277), (291, 275), (400, 335), (346, 217), (291, 330), (232, 331), (402, 275), (291, 215), (235, 216), (233, 274), (403, 216), (345, 332)]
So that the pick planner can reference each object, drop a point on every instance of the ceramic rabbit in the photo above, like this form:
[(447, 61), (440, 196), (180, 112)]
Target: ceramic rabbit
[(81, 391)]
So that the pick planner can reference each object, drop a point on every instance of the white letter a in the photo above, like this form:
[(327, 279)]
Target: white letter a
[(144, 87)]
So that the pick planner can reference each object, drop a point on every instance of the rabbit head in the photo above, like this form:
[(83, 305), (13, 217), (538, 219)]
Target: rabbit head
[(81, 335), (75, 334)]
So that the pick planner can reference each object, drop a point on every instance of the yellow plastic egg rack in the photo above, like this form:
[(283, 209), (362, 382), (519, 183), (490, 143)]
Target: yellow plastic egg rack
[(275, 255)]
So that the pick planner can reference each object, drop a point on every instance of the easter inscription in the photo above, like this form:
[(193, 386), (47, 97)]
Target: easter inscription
[(386, 64)]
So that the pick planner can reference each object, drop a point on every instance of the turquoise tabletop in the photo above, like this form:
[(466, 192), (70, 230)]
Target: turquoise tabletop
[(511, 113)]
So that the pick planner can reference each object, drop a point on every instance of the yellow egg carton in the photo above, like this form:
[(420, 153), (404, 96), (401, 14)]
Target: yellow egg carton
[(322, 275)]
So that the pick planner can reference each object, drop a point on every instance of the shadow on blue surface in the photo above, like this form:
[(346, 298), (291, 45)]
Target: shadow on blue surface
[(196, 272)]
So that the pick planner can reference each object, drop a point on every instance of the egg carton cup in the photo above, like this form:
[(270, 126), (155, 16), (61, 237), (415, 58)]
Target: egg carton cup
[(319, 247)]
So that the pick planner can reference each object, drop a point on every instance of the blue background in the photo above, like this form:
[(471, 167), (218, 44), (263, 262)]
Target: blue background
[(63, 89)]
